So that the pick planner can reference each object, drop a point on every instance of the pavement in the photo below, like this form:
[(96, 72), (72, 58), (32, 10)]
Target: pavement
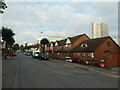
[(112, 72)]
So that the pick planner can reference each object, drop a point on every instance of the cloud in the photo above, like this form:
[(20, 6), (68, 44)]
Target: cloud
[(62, 0), (52, 18)]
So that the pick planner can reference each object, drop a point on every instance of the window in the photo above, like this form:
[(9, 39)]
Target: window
[(66, 45), (88, 54), (78, 54), (108, 43), (91, 54), (83, 54), (84, 45)]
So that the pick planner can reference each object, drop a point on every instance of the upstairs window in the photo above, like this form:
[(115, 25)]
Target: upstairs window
[(108, 43), (68, 45), (84, 45)]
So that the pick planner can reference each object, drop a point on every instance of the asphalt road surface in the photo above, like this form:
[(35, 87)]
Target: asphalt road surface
[(26, 72)]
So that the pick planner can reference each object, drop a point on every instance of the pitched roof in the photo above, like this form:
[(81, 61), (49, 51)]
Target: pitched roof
[(75, 38), (36, 45), (49, 44), (92, 45), (61, 42)]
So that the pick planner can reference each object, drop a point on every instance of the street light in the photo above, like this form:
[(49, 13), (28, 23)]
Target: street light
[(41, 34)]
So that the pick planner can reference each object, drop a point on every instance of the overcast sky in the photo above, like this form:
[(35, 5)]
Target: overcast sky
[(28, 19)]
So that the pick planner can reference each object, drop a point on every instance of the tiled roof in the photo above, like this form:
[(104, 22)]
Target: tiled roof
[(48, 45), (61, 42), (75, 38), (91, 45), (72, 39)]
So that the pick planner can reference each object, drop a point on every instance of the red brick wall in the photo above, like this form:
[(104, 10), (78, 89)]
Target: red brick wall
[(61, 57), (84, 37), (77, 58), (51, 55), (112, 59)]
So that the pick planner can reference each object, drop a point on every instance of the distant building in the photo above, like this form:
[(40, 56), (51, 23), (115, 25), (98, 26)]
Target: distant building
[(39, 40), (99, 30), (30, 44), (55, 38), (117, 41)]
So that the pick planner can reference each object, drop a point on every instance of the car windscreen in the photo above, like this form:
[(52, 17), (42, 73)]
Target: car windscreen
[(36, 52), (45, 54)]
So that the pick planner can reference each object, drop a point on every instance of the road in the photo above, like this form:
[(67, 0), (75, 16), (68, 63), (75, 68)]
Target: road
[(26, 72)]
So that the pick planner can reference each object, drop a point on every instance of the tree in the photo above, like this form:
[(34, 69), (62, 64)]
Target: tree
[(28, 47), (15, 47), (2, 6), (22, 48), (11, 42), (7, 36), (44, 42)]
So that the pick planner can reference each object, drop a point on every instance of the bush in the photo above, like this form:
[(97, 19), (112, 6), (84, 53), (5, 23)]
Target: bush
[(82, 61), (91, 62)]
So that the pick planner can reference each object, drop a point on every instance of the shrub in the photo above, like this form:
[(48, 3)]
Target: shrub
[(91, 61)]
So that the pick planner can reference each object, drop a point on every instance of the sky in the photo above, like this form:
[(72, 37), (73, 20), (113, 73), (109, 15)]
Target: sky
[(28, 19)]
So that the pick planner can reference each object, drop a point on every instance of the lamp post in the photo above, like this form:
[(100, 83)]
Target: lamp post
[(41, 34)]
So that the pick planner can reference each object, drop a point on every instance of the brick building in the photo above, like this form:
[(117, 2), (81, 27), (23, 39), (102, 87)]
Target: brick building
[(61, 49), (98, 49)]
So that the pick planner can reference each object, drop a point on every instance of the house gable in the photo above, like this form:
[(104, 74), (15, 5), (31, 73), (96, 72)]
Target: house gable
[(56, 44), (113, 47), (51, 45), (68, 41)]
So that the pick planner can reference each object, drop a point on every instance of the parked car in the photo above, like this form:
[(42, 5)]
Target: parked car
[(13, 54), (35, 54), (68, 59), (28, 54), (43, 56), (25, 53)]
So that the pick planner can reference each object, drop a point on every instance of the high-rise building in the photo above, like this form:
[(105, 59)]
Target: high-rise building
[(99, 30)]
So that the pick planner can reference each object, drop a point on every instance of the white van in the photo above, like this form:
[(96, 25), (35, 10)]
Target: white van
[(35, 54)]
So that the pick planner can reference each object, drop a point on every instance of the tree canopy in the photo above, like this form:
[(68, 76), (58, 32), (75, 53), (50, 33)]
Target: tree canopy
[(22, 48), (43, 42), (15, 47), (2, 6), (7, 36)]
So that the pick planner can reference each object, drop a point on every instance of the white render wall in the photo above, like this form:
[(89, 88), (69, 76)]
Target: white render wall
[(99, 30)]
